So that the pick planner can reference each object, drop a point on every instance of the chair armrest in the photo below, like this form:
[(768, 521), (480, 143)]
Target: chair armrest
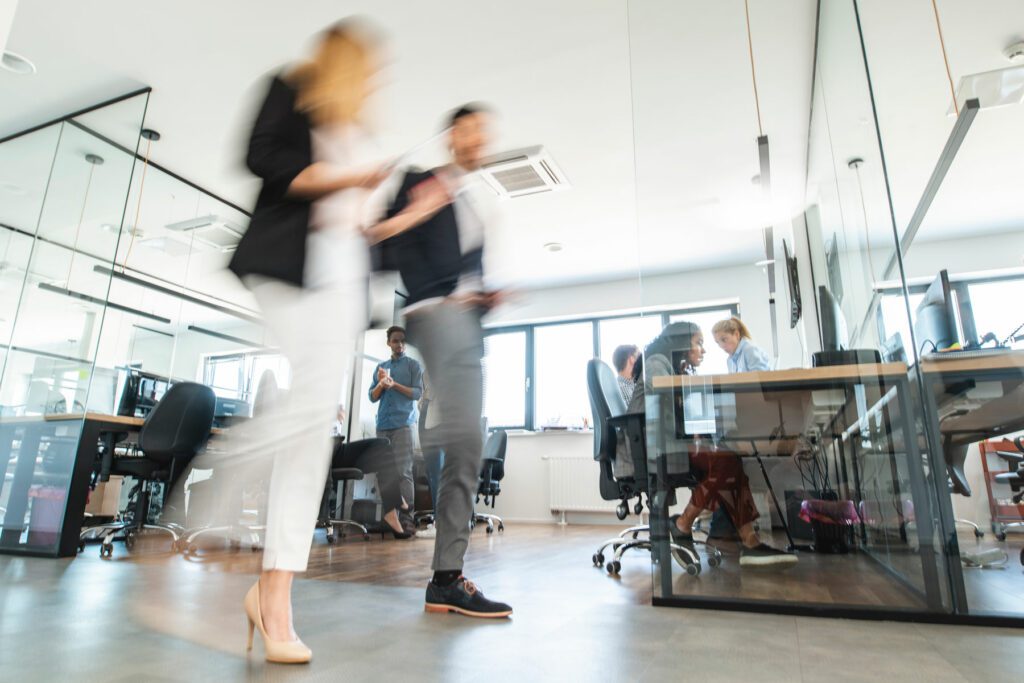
[(1011, 458)]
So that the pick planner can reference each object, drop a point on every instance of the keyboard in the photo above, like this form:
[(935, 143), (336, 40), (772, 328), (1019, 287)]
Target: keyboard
[(967, 353)]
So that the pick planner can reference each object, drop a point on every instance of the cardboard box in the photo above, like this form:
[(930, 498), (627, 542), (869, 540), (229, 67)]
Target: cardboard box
[(104, 499)]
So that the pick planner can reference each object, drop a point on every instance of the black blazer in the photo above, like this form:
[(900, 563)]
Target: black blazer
[(428, 257), (279, 149)]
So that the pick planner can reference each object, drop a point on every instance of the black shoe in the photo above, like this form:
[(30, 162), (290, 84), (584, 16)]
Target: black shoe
[(766, 556), (684, 540), (463, 597)]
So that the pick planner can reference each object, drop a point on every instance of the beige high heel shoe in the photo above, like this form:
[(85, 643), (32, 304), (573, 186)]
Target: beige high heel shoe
[(280, 651)]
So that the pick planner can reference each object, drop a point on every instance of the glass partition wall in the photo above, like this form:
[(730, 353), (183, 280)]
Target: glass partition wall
[(113, 267), (62, 183), (837, 470)]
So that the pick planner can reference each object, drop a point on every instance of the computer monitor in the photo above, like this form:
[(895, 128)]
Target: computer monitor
[(793, 286), (227, 408), (834, 336), (140, 393), (893, 350), (935, 324)]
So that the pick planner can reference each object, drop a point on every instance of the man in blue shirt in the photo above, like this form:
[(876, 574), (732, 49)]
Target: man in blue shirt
[(397, 385)]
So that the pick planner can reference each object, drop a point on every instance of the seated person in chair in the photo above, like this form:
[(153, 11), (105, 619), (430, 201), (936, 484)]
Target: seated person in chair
[(723, 483)]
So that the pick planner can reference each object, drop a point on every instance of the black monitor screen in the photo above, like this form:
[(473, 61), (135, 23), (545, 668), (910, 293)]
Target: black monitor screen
[(935, 323), (833, 323)]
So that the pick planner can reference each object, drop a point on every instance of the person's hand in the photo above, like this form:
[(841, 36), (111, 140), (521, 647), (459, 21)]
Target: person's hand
[(428, 198), (371, 177)]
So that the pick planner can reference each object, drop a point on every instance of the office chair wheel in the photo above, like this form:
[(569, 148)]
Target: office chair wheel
[(501, 526), (366, 537), (1000, 535), (234, 545), (978, 533), (614, 567), (621, 511), (129, 540), (714, 561), (81, 546), (331, 538), (106, 550), (693, 569), (490, 529), (638, 509), (598, 559)]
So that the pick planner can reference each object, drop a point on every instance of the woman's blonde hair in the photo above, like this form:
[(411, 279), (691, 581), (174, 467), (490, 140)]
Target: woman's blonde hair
[(733, 326), (333, 85)]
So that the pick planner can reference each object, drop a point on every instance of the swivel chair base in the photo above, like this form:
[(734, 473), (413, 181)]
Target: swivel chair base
[(690, 562), (978, 533), (489, 520), (331, 525), (234, 534), (129, 530)]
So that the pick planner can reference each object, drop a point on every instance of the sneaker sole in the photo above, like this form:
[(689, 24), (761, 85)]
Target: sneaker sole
[(438, 609)]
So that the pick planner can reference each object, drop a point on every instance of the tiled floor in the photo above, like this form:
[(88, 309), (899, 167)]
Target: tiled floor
[(157, 617)]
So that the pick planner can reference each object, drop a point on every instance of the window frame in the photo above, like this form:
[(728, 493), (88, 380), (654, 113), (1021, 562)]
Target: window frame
[(530, 380)]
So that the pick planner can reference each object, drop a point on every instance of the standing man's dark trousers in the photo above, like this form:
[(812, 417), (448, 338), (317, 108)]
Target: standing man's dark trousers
[(450, 339)]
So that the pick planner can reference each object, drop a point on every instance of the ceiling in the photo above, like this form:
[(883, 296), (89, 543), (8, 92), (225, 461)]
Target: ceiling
[(646, 106), (981, 192)]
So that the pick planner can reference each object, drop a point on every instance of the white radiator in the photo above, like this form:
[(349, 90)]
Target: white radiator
[(575, 485)]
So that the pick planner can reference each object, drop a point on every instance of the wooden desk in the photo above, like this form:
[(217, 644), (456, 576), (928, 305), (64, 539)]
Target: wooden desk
[(768, 413), (31, 432)]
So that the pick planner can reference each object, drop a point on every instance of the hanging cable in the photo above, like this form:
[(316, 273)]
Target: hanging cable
[(94, 160), (945, 57), (753, 73), (150, 136)]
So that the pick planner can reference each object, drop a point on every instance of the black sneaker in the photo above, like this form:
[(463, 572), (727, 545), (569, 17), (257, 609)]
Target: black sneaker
[(684, 540), (463, 597), (766, 556)]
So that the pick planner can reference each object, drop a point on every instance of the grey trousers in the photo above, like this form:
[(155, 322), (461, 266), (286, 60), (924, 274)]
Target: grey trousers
[(450, 339), (401, 454)]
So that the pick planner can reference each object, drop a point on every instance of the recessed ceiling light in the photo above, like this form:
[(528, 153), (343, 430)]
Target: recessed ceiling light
[(764, 262), (11, 188), (553, 247), (17, 64), (109, 227)]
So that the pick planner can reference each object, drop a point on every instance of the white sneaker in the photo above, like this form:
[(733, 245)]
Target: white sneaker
[(429, 532)]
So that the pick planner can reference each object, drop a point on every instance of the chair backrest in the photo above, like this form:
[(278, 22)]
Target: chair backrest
[(956, 456), (605, 402), (180, 423), (267, 393), (494, 449)]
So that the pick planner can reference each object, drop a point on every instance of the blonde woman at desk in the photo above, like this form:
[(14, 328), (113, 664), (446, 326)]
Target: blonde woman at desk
[(733, 337), (306, 262), (723, 483)]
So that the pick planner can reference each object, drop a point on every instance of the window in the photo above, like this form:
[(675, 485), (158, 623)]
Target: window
[(535, 375), (505, 379), (989, 303), (636, 330), (237, 375), (561, 353)]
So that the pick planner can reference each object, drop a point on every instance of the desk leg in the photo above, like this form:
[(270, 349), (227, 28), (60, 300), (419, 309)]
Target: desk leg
[(922, 504), (24, 471), (78, 489), (945, 503), (858, 493)]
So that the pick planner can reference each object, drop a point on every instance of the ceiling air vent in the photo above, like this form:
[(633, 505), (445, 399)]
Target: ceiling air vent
[(521, 172), (212, 230)]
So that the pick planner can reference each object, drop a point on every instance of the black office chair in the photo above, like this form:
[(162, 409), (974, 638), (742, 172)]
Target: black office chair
[(173, 433), (355, 451), (956, 457), (618, 434), (1015, 480), (492, 472)]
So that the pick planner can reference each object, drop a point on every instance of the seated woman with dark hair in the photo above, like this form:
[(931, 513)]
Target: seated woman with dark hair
[(723, 483)]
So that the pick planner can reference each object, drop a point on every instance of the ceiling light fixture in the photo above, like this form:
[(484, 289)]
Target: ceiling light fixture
[(17, 64), (553, 247)]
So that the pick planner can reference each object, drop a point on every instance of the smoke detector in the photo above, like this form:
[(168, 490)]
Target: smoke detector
[(212, 230), (1015, 53), (521, 172)]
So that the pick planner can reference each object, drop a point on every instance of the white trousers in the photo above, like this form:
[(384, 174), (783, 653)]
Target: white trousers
[(316, 331)]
